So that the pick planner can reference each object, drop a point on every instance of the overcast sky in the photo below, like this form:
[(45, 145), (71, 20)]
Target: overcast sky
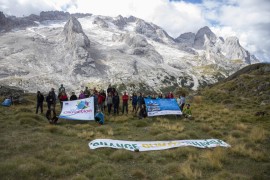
[(249, 20)]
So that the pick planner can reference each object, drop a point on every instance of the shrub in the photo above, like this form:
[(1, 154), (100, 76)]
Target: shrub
[(121, 155), (138, 174)]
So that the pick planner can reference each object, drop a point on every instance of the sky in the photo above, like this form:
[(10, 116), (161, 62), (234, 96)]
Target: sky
[(249, 20)]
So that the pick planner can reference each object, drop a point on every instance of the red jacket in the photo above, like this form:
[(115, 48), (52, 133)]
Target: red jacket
[(100, 98), (125, 98), (63, 98), (170, 95)]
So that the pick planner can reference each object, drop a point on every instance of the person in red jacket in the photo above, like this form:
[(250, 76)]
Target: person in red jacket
[(170, 95), (101, 99), (63, 97), (125, 102)]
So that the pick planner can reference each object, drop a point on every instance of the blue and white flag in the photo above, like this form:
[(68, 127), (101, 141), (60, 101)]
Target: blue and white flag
[(82, 109), (156, 107)]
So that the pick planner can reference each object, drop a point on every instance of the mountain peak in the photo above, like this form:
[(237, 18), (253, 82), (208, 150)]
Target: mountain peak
[(186, 38), (233, 40), (73, 27), (203, 33)]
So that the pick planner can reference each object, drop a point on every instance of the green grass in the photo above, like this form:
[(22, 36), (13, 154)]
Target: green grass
[(31, 148)]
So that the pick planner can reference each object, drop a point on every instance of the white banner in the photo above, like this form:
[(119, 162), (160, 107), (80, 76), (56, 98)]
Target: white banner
[(155, 145), (82, 109)]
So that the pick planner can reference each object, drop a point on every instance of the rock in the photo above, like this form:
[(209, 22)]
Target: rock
[(3, 19), (100, 22), (201, 35), (74, 33), (54, 15), (7, 91), (186, 38), (8, 23), (120, 22), (233, 50)]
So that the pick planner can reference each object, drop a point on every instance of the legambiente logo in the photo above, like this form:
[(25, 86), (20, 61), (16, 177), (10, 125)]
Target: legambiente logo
[(83, 105)]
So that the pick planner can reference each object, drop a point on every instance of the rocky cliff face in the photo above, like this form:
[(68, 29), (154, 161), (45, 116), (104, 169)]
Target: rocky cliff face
[(78, 45), (202, 36), (186, 38), (9, 23), (215, 46), (126, 51)]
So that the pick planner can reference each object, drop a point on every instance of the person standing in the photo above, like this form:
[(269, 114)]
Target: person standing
[(50, 99), (109, 102), (101, 99), (125, 103), (170, 95), (139, 102), (109, 90), (63, 97), (86, 92), (55, 98), (104, 99), (134, 102), (116, 101), (182, 101), (61, 89), (40, 99)]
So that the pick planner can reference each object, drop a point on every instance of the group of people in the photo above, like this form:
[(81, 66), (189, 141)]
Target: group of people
[(102, 100)]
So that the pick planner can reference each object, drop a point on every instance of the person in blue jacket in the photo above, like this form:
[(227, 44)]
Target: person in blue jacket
[(134, 102), (99, 117)]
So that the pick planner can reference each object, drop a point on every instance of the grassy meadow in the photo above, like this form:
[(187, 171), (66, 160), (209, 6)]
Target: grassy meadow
[(31, 148)]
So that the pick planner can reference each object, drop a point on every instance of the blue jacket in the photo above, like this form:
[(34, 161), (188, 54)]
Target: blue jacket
[(99, 117), (134, 100)]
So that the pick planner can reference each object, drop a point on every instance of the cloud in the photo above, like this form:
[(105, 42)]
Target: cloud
[(247, 19)]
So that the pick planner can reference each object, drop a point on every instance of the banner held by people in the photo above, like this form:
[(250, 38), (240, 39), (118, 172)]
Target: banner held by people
[(155, 145), (82, 109), (157, 107)]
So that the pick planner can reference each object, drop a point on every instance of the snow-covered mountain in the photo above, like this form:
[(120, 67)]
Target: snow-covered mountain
[(88, 50)]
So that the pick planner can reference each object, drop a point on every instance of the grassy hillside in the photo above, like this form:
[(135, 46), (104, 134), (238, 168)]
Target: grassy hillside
[(31, 148)]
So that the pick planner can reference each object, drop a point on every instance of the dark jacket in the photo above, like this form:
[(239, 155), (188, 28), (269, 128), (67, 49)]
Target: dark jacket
[(134, 100), (50, 99), (40, 98), (109, 90), (116, 100), (140, 100), (73, 97)]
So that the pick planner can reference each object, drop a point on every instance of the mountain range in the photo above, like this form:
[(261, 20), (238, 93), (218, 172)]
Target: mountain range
[(38, 52)]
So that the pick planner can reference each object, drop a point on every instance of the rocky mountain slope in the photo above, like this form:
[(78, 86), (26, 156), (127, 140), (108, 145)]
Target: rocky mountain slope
[(88, 50), (249, 86)]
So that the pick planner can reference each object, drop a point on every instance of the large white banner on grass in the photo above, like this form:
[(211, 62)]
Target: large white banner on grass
[(82, 109), (155, 145), (157, 107)]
